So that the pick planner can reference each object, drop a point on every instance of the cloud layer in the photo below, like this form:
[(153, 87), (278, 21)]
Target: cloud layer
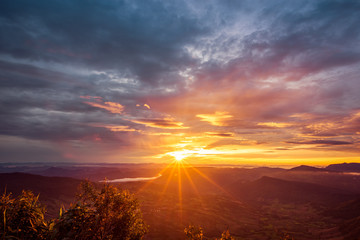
[(222, 81)]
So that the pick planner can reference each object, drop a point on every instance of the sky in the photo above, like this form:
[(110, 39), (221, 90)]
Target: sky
[(214, 82)]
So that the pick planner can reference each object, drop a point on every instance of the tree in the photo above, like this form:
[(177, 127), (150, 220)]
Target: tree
[(105, 214), (193, 233), (22, 217)]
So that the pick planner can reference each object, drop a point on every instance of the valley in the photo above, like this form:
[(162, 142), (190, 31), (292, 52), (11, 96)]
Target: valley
[(256, 203)]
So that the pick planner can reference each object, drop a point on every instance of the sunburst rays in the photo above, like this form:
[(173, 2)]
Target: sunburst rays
[(180, 177)]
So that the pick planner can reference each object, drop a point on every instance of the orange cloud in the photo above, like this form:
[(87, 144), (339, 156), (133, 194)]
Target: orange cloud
[(274, 124), (167, 123), (112, 107), (147, 106), (216, 119), (164, 134), (120, 128), (115, 128)]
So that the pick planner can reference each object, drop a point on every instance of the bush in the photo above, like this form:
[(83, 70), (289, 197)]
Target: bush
[(193, 233), (105, 214), (22, 217)]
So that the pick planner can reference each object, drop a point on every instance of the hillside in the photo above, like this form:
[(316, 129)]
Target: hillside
[(249, 203), (269, 188), (54, 191), (346, 210)]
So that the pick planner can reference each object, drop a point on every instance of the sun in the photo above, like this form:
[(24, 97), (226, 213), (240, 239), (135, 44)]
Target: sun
[(180, 155)]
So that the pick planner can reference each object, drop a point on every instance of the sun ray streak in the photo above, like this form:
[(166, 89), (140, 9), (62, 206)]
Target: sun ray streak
[(180, 192), (193, 185), (151, 181), (210, 180), (162, 194)]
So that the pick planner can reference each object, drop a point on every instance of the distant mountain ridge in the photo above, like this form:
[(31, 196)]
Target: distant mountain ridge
[(339, 167), (307, 168), (344, 167)]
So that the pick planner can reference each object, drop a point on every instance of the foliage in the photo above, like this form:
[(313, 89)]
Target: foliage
[(226, 236), (193, 233), (105, 214), (22, 217), (196, 233)]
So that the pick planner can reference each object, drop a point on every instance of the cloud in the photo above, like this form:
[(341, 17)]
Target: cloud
[(147, 48), (275, 125), (216, 134), (217, 119), (112, 107), (115, 128), (16, 149), (231, 142), (283, 76), (91, 97), (323, 142), (166, 123)]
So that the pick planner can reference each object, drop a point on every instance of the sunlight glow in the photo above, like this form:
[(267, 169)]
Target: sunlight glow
[(180, 155), (201, 152)]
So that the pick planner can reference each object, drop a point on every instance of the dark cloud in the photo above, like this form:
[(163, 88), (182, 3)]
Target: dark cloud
[(225, 135), (13, 149), (293, 43), (143, 38)]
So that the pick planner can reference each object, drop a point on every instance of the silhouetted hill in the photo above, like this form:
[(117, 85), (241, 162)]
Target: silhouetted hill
[(306, 168), (54, 191), (344, 167), (346, 210), (268, 188), (351, 229), (345, 181)]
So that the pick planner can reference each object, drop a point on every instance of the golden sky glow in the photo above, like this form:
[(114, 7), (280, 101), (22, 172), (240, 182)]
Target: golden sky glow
[(225, 137), (216, 119)]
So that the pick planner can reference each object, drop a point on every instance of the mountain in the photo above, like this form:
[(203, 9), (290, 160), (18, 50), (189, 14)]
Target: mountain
[(269, 188), (306, 168), (54, 192), (351, 229), (346, 210), (344, 167), (251, 205)]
